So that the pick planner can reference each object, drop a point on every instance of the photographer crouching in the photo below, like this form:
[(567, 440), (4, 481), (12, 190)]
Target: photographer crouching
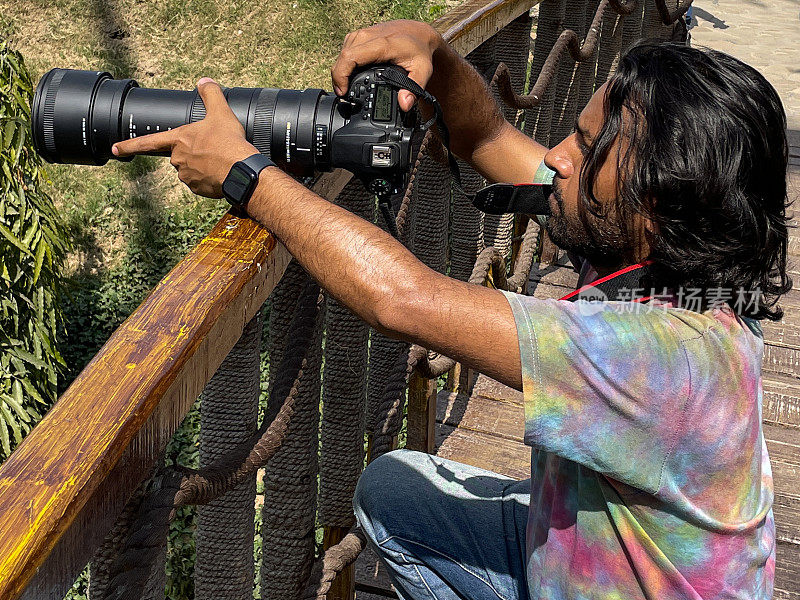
[(649, 475)]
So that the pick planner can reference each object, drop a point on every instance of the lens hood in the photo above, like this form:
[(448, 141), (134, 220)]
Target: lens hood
[(76, 115)]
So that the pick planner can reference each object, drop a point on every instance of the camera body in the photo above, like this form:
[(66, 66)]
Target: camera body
[(375, 144), (78, 115)]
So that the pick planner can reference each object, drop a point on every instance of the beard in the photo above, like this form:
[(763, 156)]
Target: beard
[(599, 239)]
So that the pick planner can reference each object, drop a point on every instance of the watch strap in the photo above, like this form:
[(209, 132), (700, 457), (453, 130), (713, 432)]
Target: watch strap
[(258, 162)]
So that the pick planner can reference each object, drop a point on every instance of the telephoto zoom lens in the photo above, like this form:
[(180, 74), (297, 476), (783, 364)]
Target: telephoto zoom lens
[(78, 115)]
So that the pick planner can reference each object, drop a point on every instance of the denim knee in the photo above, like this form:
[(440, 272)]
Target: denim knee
[(377, 490)]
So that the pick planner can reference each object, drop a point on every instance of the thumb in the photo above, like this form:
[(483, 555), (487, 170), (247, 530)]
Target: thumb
[(212, 96), (406, 100)]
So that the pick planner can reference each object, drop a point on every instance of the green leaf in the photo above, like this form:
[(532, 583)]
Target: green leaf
[(16, 401), (4, 441), (12, 423), (32, 391), (6, 232), (30, 359)]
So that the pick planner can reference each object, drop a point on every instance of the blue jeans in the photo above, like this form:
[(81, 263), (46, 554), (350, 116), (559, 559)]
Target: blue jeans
[(445, 530)]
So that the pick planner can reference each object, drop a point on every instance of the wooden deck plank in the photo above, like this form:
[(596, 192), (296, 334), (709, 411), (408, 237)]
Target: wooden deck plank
[(499, 455), (787, 572), (781, 400), (371, 574)]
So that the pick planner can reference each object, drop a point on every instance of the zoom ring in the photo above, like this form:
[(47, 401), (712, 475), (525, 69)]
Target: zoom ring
[(262, 121), (49, 111), (198, 110)]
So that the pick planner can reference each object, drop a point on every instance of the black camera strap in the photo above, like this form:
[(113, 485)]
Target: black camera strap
[(495, 199)]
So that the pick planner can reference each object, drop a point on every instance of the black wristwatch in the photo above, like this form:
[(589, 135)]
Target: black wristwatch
[(243, 178)]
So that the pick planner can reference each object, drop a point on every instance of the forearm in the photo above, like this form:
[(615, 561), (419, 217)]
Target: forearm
[(361, 265), (378, 279), (479, 134), (471, 113)]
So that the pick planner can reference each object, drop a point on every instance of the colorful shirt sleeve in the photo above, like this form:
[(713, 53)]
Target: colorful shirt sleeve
[(604, 385)]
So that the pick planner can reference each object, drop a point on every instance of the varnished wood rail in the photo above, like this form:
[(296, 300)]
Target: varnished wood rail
[(63, 487), (470, 24)]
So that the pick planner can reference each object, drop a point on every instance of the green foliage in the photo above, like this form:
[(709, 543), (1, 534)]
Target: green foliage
[(32, 247), (183, 449)]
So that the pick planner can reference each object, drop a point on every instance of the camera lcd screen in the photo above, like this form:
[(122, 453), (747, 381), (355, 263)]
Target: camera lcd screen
[(383, 103)]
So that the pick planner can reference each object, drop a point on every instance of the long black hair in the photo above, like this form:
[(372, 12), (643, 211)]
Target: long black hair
[(706, 163)]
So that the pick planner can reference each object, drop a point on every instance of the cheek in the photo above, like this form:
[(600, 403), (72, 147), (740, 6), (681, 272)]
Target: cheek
[(606, 186), (571, 194)]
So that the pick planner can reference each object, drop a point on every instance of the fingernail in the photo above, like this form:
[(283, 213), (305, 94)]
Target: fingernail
[(114, 150), (337, 90), (205, 80)]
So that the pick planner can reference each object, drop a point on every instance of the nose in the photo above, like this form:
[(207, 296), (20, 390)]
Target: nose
[(559, 160)]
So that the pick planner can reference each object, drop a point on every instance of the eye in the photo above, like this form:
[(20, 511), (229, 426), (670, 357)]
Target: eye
[(581, 144)]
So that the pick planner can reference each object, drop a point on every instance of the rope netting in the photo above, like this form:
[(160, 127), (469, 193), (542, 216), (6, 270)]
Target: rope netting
[(362, 388)]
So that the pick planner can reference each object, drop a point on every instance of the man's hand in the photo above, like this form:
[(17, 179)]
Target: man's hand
[(408, 44), (202, 152), (478, 132)]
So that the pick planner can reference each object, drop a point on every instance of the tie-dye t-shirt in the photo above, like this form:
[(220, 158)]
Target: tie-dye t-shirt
[(650, 475)]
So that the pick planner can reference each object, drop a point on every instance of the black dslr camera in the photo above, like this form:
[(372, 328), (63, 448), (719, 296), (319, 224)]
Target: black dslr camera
[(78, 115)]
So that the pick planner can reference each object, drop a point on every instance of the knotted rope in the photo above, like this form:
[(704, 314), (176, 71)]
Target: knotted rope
[(569, 41), (170, 488)]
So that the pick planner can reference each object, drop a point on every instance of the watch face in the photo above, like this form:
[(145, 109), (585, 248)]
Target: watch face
[(237, 184)]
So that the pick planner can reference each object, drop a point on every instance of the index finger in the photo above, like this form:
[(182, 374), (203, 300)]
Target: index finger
[(153, 142)]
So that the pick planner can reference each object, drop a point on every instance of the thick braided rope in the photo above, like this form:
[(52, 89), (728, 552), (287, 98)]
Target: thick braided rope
[(466, 225), (466, 221), (538, 113), (586, 70), (383, 351), (103, 559), (631, 29), (139, 558), (290, 484), (228, 418), (404, 213), (610, 44), (343, 554), (241, 463), (524, 261), (568, 41), (511, 48), (429, 210), (140, 562), (344, 393)]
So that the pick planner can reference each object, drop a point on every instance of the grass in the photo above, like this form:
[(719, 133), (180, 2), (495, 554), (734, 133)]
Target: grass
[(131, 222)]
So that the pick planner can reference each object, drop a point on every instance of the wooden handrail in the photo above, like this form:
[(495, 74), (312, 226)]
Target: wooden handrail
[(62, 488), (470, 24), (99, 440)]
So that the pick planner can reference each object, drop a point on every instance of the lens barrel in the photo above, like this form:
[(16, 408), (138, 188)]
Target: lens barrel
[(78, 115)]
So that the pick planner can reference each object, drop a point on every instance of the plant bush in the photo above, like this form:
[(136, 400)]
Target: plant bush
[(32, 246)]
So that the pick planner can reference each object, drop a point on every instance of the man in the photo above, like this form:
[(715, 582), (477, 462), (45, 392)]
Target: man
[(650, 476)]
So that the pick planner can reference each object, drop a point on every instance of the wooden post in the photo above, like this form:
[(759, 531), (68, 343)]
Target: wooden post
[(549, 253), (343, 587), (421, 414)]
